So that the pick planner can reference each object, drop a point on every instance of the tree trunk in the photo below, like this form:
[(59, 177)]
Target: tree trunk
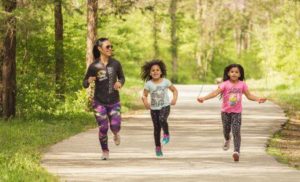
[(1, 68), (59, 50), (9, 61), (241, 30), (92, 7), (199, 18), (174, 41), (238, 39), (1, 61), (155, 31), (242, 36), (247, 35), (204, 30)]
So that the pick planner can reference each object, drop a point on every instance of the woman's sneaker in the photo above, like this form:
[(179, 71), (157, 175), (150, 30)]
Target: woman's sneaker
[(166, 139), (105, 155), (236, 156), (158, 152)]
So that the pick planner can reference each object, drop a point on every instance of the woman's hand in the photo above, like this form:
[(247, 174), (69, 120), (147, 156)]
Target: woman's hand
[(117, 85), (91, 79)]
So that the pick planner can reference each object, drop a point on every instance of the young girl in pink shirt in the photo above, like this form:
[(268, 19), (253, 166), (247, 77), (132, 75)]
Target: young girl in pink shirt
[(232, 89)]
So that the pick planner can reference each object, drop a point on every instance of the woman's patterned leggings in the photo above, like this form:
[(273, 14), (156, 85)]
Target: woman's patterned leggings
[(232, 121), (107, 114), (159, 118)]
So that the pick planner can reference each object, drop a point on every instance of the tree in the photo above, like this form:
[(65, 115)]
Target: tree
[(242, 25), (1, 67), (92, 8), (206, 15), (59, 49), (9, 61), (174, 40), (155, 31)]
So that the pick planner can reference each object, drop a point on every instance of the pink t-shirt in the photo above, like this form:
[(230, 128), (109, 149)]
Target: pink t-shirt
[(232, 96)]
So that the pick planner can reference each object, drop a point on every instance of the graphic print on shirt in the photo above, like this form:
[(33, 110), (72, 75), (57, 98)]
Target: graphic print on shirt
[(101, 72), (110, 79), (101, 75), (157, 97), (233, 99), (234, 96)]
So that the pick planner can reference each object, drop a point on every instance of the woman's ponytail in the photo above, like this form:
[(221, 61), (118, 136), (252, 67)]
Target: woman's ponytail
[(96, 52)]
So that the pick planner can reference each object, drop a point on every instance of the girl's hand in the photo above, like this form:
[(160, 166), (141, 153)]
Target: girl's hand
[(173, 102), (117, 85), (261, 100), (147, 105), (200, 99), (91, 79)]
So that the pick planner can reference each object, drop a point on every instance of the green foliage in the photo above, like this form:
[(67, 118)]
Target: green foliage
[(282, 87), (274, 44), (280, 42)]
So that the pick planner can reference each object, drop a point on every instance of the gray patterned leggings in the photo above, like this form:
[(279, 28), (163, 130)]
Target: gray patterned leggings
[(232, 121)]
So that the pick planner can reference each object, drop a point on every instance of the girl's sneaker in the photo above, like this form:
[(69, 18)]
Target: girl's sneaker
[(226, 145), (236, 156), (105, 155), (166, 139), (158, 152)]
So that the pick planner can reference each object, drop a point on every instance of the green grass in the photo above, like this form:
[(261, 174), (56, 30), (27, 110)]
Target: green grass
[(22, 142)]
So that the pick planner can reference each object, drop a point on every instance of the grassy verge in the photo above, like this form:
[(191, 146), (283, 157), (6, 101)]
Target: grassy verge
[(23, 140), (285, 143)]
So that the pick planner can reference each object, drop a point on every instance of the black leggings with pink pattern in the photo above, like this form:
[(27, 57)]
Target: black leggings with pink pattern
[(159, 118)]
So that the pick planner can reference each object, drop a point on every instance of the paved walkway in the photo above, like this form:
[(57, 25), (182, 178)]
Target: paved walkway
[(193, 154)]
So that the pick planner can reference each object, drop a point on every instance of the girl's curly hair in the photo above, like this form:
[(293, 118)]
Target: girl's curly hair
[(146, 68)]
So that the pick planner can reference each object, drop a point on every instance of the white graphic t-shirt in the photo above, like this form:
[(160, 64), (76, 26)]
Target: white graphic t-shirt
[(158, 93)]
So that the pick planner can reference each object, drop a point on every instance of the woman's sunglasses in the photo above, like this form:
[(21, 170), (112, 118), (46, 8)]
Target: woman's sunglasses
[(109, 47)]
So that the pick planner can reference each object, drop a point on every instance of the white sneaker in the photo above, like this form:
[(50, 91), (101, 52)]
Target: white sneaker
[(236, 156), (226, 145), (105, 155), (117, 139)]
